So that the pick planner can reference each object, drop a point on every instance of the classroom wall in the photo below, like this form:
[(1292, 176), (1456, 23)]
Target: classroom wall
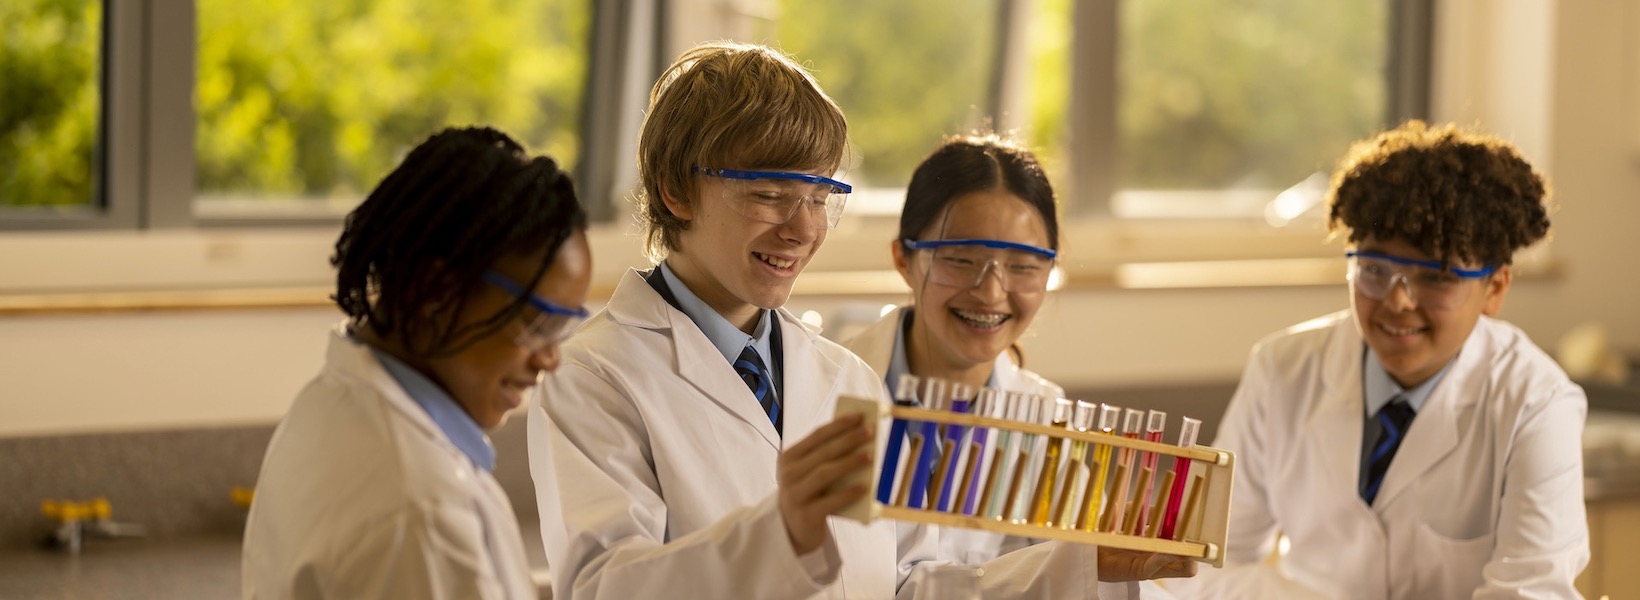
[(1562, 79)]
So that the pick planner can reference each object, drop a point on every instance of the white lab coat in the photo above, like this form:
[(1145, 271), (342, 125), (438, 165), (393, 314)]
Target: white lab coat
[(655, 472), (361, 495), (1484, 497)]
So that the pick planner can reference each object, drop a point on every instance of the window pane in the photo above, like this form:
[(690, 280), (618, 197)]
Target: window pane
[(1256, 94), (1221, 105), (50, 100), (319, 99), (906, 73)]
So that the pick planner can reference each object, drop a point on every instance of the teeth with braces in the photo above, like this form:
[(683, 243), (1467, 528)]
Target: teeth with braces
[(981, 319)]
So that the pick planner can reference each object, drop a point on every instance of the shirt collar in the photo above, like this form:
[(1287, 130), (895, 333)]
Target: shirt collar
[(728, 339), (453, 420), (898, 364), (1380, 388)]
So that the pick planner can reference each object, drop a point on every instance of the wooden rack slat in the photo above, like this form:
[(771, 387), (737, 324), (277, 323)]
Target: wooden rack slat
[(1146, 544), (937, 416)]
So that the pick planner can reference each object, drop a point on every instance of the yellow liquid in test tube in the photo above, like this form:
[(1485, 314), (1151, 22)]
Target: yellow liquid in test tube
[(1094, 502)]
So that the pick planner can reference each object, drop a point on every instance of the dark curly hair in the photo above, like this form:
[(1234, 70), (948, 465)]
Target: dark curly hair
[(413, 253), (1457, 196)]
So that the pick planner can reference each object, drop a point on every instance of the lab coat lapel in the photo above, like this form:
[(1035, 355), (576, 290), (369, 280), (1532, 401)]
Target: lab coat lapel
[(810, 378), (1334, 430), (1434, 432), (696, 360)]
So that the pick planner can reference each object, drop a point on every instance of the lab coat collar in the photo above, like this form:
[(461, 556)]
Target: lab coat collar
[(1336, 426), (448, 414), (808, 373), (347, 359), (1434, 434)]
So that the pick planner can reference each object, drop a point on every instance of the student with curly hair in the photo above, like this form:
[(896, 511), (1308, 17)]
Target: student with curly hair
[(1412, 446), (460, 274)]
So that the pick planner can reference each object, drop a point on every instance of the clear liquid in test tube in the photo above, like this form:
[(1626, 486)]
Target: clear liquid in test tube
[(1181, 477), (1095, 498), (1132, 421), (1030, 460), (1003, 459), (905, 394)]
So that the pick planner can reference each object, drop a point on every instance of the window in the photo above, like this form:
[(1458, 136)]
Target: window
[(303, 106), (50, 104), (1197, 109), (239, 113)]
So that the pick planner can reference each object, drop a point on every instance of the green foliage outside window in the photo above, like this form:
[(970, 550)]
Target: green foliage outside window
[(49, 101), (906, 73), (321, 98)]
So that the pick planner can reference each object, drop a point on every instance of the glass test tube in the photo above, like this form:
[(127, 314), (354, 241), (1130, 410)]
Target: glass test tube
[(1133, 419), (1002, 461), (926, 438), (1108, 416), (1059, 415), (1155, 422), (905, 394), (985, 405), (1181, 470), (954, 447), (1077, 470), (1019, 490)]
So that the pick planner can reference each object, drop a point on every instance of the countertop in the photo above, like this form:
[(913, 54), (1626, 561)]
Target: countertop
[(194, 567)]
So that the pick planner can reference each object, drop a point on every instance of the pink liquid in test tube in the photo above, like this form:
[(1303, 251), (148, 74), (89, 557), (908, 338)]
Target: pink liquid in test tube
[(1181, 476), (1155, 422)]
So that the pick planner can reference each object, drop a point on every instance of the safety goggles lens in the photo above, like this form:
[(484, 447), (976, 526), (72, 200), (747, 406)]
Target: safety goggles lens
[(1376, 276), (552, 324), (777, 196), (965, 264), (547, 330)]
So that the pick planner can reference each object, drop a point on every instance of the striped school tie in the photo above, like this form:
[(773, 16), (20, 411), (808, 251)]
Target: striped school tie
[(1395, 418), (751, 370)]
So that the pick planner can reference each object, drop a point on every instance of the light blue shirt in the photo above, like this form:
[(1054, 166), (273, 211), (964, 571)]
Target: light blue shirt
[(728, 339), (1378, 389), (448, 414), (898, 364)]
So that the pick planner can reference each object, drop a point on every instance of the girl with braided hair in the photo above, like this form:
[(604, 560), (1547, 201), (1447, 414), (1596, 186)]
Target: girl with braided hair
[(460, 274)]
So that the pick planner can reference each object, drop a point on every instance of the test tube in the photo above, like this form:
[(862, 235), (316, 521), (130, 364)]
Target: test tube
[(928, 432), (1059, 415), (1181, 470), (1108, 416), (1133, 419), (984, 405), (1077, 469), (1002, 461), (1019, 489), (905, 394), (961, 403), (1155, 422)]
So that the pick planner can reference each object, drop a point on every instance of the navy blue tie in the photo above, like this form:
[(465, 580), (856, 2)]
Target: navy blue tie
[(751, 370), (1395, 418)]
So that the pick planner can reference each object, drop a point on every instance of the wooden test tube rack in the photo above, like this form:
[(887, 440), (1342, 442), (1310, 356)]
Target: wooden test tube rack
[(1205, 528)]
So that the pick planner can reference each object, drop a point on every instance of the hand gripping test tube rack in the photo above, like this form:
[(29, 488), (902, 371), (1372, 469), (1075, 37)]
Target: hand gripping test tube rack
[(1043, 468)]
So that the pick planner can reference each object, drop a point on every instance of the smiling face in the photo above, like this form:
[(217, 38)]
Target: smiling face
[(1415, 342), (737, 264), (491, 376), (959, 328)]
